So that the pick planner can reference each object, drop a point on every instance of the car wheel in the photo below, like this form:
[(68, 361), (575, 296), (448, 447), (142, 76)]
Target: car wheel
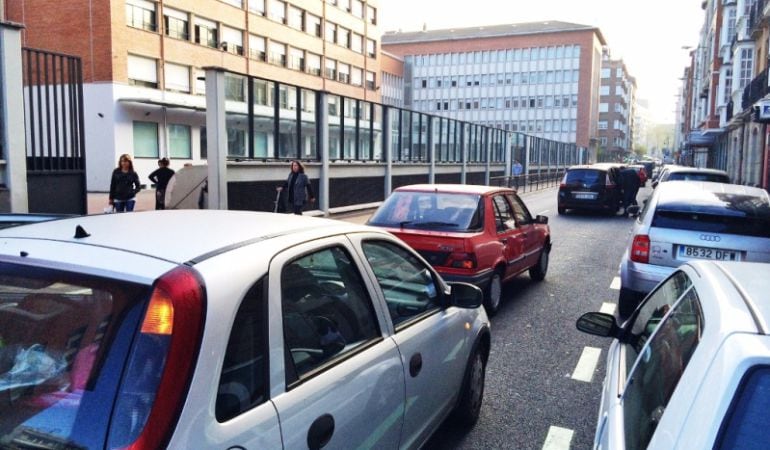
[(493, 294), (468, 407), (561, 210), (538, 271), (628, 300)]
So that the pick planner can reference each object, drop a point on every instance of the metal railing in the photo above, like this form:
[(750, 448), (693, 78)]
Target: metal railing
[(755, 90), (533, 181)]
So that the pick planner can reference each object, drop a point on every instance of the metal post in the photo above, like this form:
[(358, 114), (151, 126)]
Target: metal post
[(216, 136), (489, 141), (387, 137), (431, 151), (12, 131), (322, 122)]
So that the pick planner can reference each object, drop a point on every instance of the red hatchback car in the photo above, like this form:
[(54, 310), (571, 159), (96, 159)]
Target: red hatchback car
[(482, 235)]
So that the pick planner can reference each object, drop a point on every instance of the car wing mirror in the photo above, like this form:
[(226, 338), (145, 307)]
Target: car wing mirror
[(655, 184), (541, 219), (465, 295), (598, 324)]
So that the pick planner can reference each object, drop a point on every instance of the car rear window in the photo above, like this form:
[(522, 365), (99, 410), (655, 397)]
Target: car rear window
[(585, 176), (64, 339), (745, 425), (688, 176), (437, 211), (747, 225)]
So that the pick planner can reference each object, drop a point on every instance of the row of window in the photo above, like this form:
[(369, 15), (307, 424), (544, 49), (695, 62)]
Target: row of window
[(619, 90), (336, 34), (616, 141), (604, 107), (356, 7), (494, 56), (607, 72), (540, 101), (516, 78), (146, 140), (616, 125), (279, 8)]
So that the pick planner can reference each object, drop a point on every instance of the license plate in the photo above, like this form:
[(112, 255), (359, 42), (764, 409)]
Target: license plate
[(690, 252), (584, 195)]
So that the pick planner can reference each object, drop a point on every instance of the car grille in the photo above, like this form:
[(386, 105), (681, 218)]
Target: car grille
[(434, 258)]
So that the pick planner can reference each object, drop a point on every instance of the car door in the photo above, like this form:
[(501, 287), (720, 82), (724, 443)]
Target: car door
[(337, 380), (512, 238), (533, 238), (433, 341)]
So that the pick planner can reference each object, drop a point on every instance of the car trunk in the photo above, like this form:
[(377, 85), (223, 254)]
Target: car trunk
[(435, 247)]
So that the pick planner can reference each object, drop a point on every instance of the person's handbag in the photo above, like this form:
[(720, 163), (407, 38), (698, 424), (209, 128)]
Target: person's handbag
[(109, 209)]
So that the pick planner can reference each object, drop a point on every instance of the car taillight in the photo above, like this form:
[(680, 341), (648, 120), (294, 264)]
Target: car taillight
[(462, 260), (640, 249), (161, 363)]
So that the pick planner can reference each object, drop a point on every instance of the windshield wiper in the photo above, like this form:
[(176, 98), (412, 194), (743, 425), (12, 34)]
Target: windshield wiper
[(436, 224)]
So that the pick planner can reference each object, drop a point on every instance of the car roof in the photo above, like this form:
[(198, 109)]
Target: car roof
[(689, 169), (178, 236), (703, 196), (454, 188)]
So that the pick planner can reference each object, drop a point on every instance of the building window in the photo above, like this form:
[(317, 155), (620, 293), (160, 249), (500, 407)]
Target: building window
[(257, 47), (206, 33), (746, 66), (177, 77), (313, 64), (277, 11), (295, 18), (603, 107), (330, 32), (145, 139), (142, 71), (370, 80), (343, 37), (606, 72), (604, 90), (602, 124), (357, 76), (296, 59), (331, 69), (357, 43), (179, 146), (200, 82), (312, 24), (343, 73), (371, 48), (257, 7), (232, 40), (371, 15), (357, 8), (728, 84), (236, 3), (278, 54), (176, 24), (141, 14), (235, 88)]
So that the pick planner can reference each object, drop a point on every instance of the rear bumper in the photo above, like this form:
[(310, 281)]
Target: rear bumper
[(565, 200), (641, 277), (480, 279)]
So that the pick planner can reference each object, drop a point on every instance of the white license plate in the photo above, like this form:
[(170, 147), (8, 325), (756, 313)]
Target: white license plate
[(690, 252), (584, 196)]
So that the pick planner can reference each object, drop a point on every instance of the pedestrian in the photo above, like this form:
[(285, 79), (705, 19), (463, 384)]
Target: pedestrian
[(517, 170), (161, 177), (296, 184), (124, 185), (629, 183)]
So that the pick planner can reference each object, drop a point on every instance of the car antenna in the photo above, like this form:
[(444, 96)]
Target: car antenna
[(80, 232)]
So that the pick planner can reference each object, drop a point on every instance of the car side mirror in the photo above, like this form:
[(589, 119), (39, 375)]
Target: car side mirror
[(465, 295), (598, 324), (543, 220), (633, 210), (655, 184)]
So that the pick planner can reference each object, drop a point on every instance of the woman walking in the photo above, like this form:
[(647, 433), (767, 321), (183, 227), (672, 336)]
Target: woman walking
[(161, 177), (124, 185), (296, 183)]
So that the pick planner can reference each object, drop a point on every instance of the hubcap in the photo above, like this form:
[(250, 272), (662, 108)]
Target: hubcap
[(477, 382), (495, 291)]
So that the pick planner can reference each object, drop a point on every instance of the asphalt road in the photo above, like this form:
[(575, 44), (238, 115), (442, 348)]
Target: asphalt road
[(530, 387)]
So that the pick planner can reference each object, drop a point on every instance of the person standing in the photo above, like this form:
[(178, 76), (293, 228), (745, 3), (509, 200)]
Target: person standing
[(296, 184), (517, 170), (124, 185), (161, 177), (629, 182)]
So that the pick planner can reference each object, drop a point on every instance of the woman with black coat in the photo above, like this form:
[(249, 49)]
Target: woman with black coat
[(124, 185), (297, 183)]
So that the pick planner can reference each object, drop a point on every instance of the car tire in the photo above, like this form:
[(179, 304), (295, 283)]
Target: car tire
[(561, 210), (493, 294), (468, 408), (538, 271), (628, 300)]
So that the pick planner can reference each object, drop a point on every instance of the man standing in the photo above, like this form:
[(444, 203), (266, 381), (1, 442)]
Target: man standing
[(517, 170), (629, 182)]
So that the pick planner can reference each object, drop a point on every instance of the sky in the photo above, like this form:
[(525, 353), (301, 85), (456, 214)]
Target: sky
[(647, 34)]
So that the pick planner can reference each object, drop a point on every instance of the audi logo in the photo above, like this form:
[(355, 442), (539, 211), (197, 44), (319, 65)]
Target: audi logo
[(710, 238)]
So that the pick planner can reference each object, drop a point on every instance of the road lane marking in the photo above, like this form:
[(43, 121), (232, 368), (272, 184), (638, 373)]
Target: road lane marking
[(558, 438), (586, 365), (608, 308), (615, 285)]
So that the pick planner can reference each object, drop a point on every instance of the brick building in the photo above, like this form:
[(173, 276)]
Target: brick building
[(537, 78), (616, 110), (143, 60)]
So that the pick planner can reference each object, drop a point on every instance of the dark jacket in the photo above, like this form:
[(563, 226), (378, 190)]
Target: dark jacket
[(629, 179), (161, 177), (124, 185), (300, 185)]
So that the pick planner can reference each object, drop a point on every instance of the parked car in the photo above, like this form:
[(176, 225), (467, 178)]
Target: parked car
[(590, 187), (15, 219), (687, 220), (691, 367), (223, 329), (482, 235), (685, 173)]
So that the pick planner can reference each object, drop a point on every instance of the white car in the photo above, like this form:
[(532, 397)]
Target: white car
[(690, 220), (690, 369), (224, 329)]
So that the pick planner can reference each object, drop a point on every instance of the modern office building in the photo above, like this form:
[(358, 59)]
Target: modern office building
[(143, 67), (616, 110), (392, 79), (537, 78)]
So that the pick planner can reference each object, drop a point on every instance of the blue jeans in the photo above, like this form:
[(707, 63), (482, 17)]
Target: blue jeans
[(124, 205)]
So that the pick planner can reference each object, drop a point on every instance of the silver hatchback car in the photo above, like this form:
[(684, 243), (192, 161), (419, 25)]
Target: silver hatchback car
[(224, 329), (691, 220)]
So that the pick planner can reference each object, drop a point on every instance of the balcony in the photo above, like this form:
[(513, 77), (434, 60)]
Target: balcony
[(756, 90), (758, 18)]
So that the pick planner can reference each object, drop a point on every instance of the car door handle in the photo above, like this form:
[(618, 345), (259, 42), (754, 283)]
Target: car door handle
[(415, 365), (320, 432), (504, 241)]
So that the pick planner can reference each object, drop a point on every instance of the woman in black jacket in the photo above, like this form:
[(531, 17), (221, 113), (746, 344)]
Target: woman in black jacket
[(296, 184), (124, 185)]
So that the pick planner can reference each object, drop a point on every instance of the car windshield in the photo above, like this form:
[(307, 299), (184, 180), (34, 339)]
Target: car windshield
[(63, 341), (690, 176), (584, 176), (437, 211)]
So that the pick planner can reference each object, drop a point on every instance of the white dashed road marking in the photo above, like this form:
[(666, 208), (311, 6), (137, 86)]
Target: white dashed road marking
[(558, 438), (608, 308), (615, 283), (586, 365)]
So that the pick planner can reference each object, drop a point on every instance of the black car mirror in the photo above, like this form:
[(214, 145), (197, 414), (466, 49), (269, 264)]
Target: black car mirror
[(655, 184), (598, 324), (543, 220), (465, 295)]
